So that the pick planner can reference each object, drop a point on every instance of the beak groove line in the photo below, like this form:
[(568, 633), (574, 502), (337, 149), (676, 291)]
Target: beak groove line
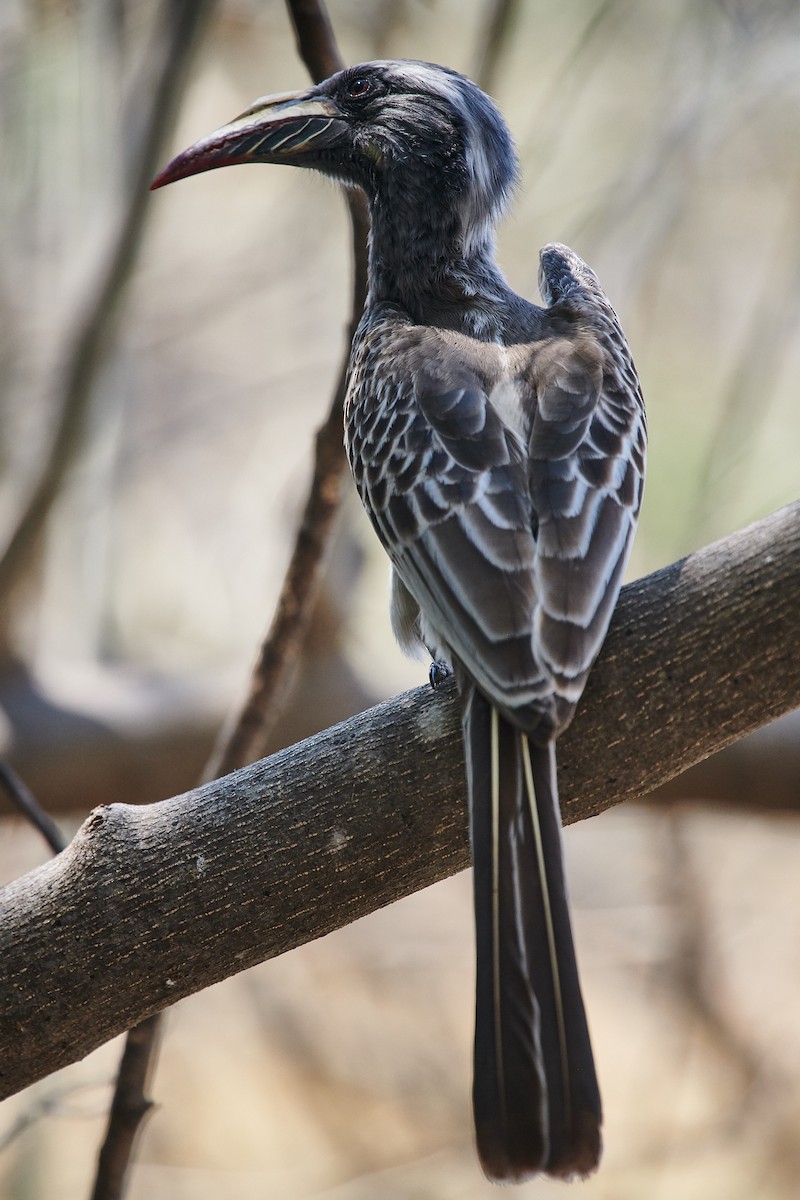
[(271, 128)]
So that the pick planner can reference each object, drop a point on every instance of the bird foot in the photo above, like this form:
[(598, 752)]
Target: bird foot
[(438, 673)]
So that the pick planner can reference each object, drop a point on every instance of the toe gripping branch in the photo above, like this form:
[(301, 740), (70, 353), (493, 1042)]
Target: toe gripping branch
[(438, 672)]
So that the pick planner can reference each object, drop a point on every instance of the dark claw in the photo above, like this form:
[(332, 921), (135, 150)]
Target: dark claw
[(438, 673)]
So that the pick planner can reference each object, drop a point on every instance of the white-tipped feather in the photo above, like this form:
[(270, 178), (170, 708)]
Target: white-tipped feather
[(548, 914), (498, 1022)]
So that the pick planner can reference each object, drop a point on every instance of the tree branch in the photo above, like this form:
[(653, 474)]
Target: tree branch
[(273, 671), (151, 904), (316, 41), (242, 742), (129, 1107), (23, 799), (500, 20), (246, 738), (172, 52), (168, 63)]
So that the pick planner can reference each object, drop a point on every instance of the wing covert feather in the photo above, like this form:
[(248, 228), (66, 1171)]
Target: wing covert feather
[(587, 502), (513, 548)]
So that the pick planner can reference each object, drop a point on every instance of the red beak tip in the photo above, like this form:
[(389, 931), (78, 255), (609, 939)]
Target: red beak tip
[(162, 178)]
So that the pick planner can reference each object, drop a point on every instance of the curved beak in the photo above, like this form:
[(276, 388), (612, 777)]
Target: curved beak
[(290, 128)]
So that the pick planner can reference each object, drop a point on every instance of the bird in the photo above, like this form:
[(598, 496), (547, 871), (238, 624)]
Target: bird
[(498, 446)]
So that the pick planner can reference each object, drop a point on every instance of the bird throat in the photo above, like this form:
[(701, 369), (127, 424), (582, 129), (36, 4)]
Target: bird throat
[(420, 260)]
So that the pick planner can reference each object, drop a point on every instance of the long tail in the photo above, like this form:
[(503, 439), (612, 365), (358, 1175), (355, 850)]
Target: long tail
[(535, 1095)]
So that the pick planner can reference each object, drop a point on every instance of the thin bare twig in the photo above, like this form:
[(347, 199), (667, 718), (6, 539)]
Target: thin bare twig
[(762, 351), (129, 1107), (27, 804), (501, 17), (86, 353), (54, 1103), (316, 41), (693, 974), (273, 672), (279, 653), (169, 60)]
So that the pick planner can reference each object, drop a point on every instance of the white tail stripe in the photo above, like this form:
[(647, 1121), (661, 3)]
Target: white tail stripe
[(548, 915), (495, 781)]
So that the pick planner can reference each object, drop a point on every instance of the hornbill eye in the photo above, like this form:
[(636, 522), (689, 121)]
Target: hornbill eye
[(359, 87)]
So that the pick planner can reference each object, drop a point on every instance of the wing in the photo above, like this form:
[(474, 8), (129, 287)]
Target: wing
[(587, 458), (514, 552), (446, 485)]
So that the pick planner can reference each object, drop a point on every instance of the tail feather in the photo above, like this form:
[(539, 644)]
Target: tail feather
[(535, 1096)]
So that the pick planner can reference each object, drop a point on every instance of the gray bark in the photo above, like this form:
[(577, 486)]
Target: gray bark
[(149, 904)]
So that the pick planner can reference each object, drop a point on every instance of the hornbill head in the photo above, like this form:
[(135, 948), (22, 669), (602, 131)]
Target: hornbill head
[(419, 139)]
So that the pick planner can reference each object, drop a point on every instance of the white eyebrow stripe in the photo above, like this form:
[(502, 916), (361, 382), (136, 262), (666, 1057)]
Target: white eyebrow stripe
[(428, 78), (484, 201)]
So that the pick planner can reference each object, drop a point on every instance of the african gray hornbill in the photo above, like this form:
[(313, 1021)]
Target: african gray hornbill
[(498, 448)]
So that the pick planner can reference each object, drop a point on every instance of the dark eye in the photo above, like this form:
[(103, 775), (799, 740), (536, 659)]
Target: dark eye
[(358, 87)]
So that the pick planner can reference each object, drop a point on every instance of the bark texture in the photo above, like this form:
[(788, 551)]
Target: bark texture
[(149, 904)]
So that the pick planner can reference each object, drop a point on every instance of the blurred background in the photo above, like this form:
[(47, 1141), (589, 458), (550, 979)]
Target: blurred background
[(164, 364)]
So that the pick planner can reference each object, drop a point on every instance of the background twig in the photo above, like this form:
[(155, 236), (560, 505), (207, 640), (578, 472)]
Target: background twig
[(27, 804), (278, 656), (498, 25), (272, 674), (175, 42), (167, 65), (129, 1107)]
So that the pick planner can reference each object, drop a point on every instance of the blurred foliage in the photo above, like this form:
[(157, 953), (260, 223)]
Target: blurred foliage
[(662, 140)]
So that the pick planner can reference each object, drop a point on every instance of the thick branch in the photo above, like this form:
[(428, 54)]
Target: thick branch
[(150, 904)]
